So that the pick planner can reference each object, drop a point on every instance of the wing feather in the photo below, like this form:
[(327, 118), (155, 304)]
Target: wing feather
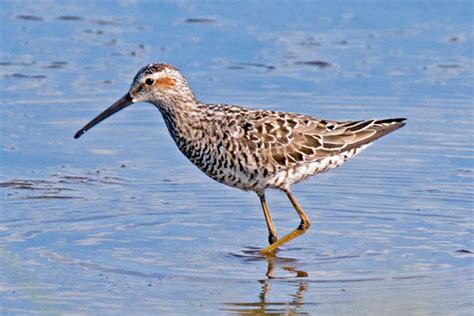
[(290, 139)]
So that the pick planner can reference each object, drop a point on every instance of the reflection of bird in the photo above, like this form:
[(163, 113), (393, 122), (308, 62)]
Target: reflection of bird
[(278, 304), (249, 149)]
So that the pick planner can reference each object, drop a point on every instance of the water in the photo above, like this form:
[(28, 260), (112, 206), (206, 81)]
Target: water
[(120, 222)]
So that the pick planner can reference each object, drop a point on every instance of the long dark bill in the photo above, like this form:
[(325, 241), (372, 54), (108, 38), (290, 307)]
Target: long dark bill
[(122, 103)]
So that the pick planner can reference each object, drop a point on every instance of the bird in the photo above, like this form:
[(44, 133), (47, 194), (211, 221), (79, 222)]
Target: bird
[(249, 149)]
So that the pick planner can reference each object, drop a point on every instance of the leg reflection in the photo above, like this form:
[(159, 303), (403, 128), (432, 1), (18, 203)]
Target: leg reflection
[(284, 279), (289, 266)]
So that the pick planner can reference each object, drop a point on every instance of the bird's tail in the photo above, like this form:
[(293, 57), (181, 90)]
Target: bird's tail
[(381, 128)]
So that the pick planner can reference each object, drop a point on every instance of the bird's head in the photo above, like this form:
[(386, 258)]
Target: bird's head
[(160, 84)]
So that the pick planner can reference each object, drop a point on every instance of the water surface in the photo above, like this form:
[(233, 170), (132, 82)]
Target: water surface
[(119, 222)]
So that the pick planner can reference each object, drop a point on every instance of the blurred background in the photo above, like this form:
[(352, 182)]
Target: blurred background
[(120, 222)]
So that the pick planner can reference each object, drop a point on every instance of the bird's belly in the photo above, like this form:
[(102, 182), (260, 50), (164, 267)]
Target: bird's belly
[(247, 177), (285, 178), (228, 177), (220, 170), (251, 176)]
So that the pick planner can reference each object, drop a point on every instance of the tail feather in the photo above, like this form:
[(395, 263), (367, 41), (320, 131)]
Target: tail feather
[(381, 128)]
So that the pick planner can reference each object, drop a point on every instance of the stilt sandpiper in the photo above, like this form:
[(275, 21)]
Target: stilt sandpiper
[(249, 149)]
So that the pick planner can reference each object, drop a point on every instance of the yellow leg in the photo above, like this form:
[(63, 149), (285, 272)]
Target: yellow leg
[(302, 228), (272, 235)]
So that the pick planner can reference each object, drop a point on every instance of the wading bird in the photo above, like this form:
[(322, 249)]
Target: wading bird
[(249, 149)]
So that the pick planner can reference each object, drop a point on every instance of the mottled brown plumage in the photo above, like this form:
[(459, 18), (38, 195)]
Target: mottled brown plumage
[(249, 149)]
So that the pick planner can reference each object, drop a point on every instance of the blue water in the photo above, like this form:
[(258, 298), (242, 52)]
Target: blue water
[(120, 222)]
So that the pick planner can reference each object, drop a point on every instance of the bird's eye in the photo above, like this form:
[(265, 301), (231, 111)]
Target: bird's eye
[(149, 81)]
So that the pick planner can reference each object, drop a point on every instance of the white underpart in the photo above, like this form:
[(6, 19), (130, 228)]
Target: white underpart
[(289, 177)]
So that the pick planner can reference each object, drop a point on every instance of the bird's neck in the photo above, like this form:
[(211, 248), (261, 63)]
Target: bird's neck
[(182, 118)]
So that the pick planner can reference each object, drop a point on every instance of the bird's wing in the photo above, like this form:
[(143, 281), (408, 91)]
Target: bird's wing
[(292, 139)]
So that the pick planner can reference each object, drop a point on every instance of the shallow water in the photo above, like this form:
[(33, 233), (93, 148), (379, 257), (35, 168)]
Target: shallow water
[(119, 221)]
